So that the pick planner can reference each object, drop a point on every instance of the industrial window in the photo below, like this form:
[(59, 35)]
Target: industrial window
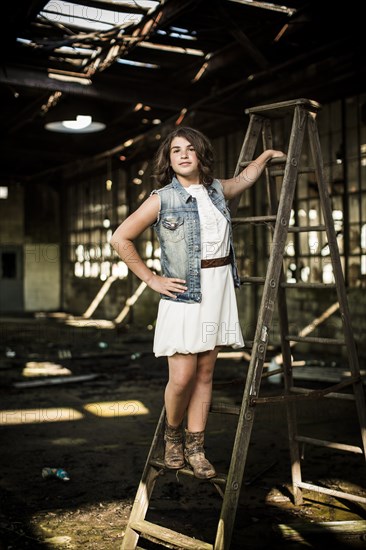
[(342, 136), (96, 206), (342, 133), (90, 218)]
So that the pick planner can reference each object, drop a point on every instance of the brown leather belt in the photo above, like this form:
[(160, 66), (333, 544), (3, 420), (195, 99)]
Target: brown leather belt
[(216, 262)]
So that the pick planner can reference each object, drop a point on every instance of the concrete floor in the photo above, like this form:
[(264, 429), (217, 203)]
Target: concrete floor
[(99, 428)]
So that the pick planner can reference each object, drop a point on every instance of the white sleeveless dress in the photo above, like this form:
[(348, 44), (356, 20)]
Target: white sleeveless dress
[(198, 327)]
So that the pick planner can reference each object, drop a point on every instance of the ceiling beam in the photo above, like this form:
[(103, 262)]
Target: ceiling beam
[(237, 32), (118, 90), (167, 11)]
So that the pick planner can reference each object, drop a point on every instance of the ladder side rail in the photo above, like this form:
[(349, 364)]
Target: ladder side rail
[(282, 309), (338, 275), (145, 489), (267, 140), (246, 417), (246, 153)]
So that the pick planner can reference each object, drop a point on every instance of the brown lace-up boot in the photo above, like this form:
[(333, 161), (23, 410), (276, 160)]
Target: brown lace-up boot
[(195, 455), (174, 455)]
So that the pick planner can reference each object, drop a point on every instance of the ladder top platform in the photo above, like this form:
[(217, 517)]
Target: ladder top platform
[(278, 110)]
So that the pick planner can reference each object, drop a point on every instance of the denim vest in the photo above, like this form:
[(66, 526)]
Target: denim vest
[(178, 230)]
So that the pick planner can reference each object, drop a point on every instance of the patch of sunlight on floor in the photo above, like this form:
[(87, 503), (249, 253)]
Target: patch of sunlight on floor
[(44, 368), (116, 408), (38, 416)]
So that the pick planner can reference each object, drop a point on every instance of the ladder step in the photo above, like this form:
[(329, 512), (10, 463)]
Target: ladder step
[(254, 219), (307, 170), (331, 492), (220, 479), (306, 228), (262, 280), (332, 395), (254, 280), (304, 394), (315, 340), (272, 162), (308, 285), (271, 110), (329, 444), (224, 409), (178, 540), (348, 528)]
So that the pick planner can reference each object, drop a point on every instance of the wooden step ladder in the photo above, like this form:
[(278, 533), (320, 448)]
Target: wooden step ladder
[(303, 112)]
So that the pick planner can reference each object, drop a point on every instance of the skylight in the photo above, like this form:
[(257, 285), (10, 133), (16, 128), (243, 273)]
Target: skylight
[(92, 18), (74, 49), (146, 4), (181, 30), (137, 63), (24, 41), (177, 33)]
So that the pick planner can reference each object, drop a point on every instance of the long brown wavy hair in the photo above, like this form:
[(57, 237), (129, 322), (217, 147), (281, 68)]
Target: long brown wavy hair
[(163, 172)]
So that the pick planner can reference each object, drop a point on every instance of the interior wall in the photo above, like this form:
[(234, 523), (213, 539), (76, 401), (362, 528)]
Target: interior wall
[(11, 248), (29, 224), (42, 279), (12, 215)]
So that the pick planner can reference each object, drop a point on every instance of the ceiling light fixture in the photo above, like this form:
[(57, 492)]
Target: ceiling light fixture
[(74, 115), (83, 124)]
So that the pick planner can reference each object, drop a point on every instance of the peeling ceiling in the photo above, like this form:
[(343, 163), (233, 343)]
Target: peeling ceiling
[(139, 67)]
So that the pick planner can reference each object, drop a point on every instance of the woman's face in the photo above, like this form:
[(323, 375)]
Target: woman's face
[(183, 158)]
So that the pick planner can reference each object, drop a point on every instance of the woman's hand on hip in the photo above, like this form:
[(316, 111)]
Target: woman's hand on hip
[(167, 285)]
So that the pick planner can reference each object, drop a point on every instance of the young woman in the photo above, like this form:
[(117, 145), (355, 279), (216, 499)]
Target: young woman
[(198, 310)]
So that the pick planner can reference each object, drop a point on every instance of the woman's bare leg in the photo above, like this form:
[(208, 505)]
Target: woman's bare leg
[(182, 375), (197, 413), (200, 398)]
